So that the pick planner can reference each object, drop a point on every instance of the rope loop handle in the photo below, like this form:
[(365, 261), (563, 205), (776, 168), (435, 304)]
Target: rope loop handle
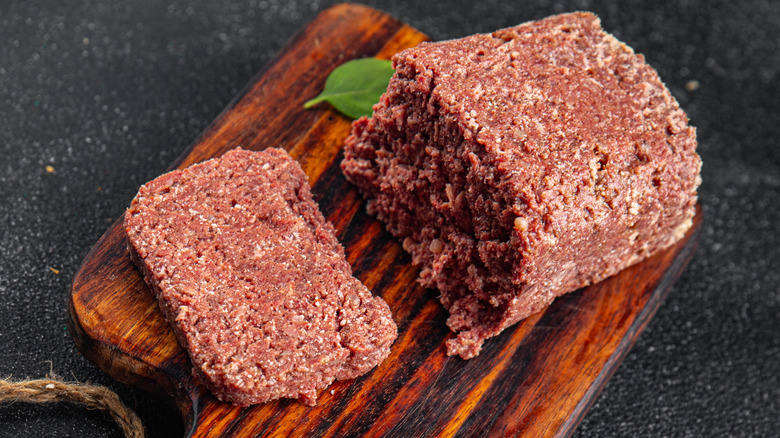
[(52, 390)]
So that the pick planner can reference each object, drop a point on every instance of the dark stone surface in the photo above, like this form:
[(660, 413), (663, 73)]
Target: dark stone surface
[(108, 93)]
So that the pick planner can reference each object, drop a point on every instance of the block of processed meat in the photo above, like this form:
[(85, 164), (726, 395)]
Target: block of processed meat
[(524, 164), (252, 279)]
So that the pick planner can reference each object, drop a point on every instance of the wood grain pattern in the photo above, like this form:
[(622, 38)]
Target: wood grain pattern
[(538, 378)]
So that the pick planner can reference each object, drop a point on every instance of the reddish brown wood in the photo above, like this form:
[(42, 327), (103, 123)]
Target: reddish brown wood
[(537, 378)]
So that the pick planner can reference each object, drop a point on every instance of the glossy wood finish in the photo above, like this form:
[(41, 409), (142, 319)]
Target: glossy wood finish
[(537, 378)]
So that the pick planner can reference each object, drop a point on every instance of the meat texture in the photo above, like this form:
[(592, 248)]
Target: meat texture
[(523, 164), (252, 279)]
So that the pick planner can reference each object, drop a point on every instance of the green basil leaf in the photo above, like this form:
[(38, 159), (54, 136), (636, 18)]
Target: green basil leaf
[(355, 86)]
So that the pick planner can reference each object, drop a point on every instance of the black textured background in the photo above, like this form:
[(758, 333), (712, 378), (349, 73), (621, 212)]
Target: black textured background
[(108, 93)]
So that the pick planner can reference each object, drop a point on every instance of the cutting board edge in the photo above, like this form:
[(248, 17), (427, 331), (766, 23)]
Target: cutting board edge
[(123, 366), (681, 261)]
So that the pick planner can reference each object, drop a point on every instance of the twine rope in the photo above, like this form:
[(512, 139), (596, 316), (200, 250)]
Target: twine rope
[(51, 390)]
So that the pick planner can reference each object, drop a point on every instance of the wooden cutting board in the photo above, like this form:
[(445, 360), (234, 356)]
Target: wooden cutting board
[(537, 378)]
